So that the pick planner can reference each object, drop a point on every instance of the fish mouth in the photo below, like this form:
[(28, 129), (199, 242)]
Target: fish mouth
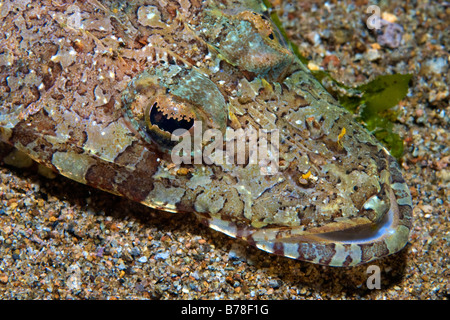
[(348, 243), (350, 231), (370, 232)]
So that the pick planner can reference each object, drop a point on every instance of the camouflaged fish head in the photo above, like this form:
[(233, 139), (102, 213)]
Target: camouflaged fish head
[(199, 107)]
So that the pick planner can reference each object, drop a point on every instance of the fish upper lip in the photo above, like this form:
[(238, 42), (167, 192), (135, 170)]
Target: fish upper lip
[(370, 232)]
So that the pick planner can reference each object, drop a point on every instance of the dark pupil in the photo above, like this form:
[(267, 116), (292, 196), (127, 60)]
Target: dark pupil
[(168, 124)]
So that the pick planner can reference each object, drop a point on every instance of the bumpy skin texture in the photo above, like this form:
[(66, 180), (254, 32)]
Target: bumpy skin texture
[(78, 81)]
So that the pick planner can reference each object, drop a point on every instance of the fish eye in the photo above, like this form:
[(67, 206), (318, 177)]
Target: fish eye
[(168, 102), (168, 122), (166, 116)]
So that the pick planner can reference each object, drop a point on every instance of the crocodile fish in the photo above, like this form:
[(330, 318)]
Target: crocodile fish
[(200, 107)]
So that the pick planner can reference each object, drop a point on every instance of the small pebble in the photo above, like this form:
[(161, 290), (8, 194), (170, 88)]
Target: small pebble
[(143, 259)]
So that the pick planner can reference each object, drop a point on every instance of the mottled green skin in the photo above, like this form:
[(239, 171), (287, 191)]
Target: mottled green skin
[(79, 80)]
